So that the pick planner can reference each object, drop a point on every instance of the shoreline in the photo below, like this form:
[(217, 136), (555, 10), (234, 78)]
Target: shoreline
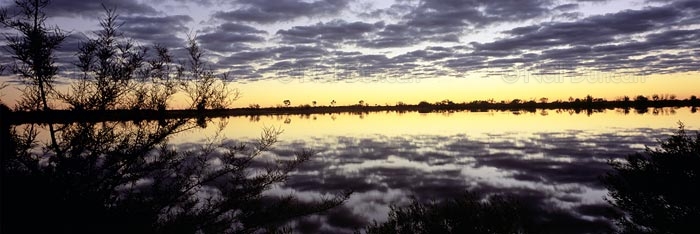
[(68, 116)]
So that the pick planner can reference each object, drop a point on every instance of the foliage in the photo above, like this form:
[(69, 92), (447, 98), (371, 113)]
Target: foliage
[(33, 50), (116, 73), (117, 177), (463, 215), (203, 88), (108, 63), (659, 189)]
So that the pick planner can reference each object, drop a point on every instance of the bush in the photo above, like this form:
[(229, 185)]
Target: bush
[(462, 215), (123, 177), (659, 189)]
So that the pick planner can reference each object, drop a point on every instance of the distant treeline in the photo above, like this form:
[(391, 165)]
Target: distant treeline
[(588, 105)]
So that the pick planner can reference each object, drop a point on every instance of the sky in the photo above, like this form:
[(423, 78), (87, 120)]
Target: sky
[(383, 52)]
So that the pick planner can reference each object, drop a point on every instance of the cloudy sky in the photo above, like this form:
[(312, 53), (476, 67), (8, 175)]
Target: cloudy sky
[(388, 51)]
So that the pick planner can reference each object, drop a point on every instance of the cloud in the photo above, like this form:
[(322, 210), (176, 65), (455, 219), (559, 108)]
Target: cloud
[(566, 7), (330, 33), (387, 41), (273, 11), (396, 10), (447, 21), (230, 37), (95, 9), (391, 36), (609, 42), (164, 30), (476, 13), (245, 57), (542, 170)]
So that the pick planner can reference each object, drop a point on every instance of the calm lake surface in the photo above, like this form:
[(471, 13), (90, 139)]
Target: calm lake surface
[(548, 159)]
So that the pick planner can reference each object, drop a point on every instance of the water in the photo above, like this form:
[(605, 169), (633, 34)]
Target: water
[(548, 159)]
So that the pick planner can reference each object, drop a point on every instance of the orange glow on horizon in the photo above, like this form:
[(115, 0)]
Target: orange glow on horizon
[(271, 92)]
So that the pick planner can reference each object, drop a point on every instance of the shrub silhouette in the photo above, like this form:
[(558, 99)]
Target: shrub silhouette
[(33, 49), (123, 177), (115, 72), (659, 189), (466, 214)]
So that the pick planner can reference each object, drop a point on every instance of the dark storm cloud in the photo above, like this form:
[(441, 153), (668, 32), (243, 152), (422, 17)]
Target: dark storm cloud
[(465, 63), (272, 11), (590, 31), (396, 10), (72, 43), (393, 35), (95, 9), (375, 66), (329, 33), (282, 53), (299, 52), (230, 37), (429, 54), (445, 21), (162, 30), (566, 7), (246, 57), (279, 61), (454, 13), (200, 2), (607, 42), (242, 72)]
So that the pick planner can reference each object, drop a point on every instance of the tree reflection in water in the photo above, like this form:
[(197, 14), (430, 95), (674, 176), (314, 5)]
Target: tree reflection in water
[(124, 177)]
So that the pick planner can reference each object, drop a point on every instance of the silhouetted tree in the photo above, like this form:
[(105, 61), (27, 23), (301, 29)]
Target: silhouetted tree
[(33, 51), (463, 215), (655, 97), (157, 84), (201, 85), (117, 74), (658, 190), (641, 99), (446, 102), (124, 178), (287, 102), (109, 64)]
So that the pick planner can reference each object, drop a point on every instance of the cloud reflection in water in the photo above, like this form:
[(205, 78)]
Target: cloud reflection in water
[(545, 170)]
